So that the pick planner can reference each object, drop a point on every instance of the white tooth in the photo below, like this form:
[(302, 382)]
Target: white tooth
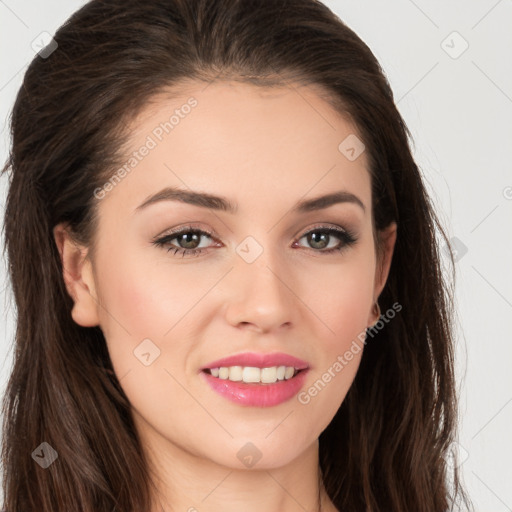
[(269, 375), (280, 372), (223, 372), (288, 374), (251, 374), (215, 372), (235, 373)]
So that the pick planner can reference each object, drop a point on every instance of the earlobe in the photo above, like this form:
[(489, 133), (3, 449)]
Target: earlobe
[(78, 277)]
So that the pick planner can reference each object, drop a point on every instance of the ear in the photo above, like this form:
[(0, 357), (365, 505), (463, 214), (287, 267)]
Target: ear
[(387, 239), (78, 277)]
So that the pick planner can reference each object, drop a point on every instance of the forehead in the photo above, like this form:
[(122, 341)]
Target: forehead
[(250, 143)]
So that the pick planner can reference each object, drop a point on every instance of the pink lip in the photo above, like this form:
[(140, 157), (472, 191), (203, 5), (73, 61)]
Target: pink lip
[(256, 394), (256, 360)]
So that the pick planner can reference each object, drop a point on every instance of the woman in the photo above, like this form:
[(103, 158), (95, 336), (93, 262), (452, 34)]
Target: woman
[(225, 267)]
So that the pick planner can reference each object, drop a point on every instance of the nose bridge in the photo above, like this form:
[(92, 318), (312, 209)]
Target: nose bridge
[(259, 290)]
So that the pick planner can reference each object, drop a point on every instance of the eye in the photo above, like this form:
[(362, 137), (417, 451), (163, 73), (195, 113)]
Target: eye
[(320, 237), (188, 237)]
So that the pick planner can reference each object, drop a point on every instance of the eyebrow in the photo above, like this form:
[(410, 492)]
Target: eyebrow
[(220, 203)]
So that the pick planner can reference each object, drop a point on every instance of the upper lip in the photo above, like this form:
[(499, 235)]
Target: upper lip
[(258, 360)]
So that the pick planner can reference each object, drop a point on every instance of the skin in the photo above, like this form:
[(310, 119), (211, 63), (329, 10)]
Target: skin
[(264, 149)]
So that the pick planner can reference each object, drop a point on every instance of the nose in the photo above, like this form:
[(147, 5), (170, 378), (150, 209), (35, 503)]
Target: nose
[(260, 296)]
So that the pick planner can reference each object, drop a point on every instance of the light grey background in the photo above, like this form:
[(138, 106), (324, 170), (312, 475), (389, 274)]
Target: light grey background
[(458, 105)]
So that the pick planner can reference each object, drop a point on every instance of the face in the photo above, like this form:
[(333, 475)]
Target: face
[(178, 284)]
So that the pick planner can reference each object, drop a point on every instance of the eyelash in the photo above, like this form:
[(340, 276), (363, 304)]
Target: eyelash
[(348, 238)]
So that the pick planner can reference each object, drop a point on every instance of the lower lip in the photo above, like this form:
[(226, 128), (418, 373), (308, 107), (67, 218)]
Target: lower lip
[(257, 395)]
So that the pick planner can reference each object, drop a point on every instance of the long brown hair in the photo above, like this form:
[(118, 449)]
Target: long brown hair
[(387, 447)]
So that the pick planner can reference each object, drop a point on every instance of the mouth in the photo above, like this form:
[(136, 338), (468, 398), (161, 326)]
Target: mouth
[(256, 379), (252, 386)]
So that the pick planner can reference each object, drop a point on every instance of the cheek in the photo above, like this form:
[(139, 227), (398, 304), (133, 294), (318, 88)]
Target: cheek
[(341, 298), (343, 306), (149, 298), (141, 304), (342, 312), (132, 307), (145, 296)]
